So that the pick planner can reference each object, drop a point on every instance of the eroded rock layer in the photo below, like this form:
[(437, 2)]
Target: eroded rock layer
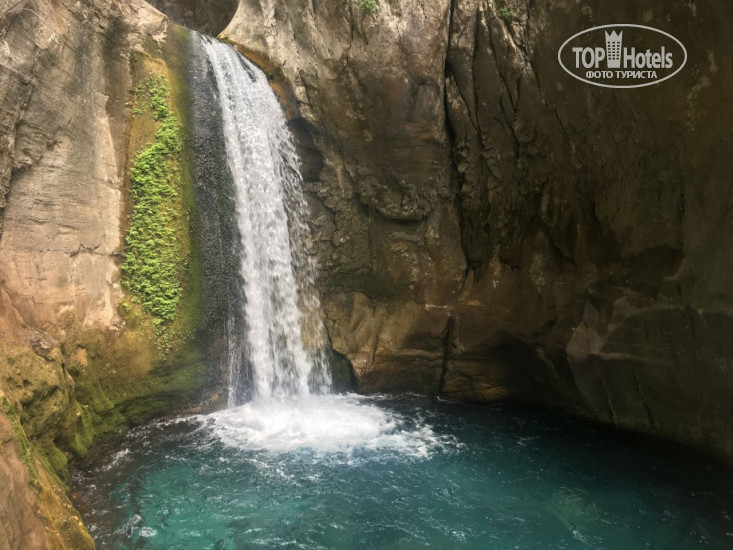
[(207, 16)]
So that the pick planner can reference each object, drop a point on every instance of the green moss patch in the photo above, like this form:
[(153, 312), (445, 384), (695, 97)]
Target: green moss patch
[(26, 451), (157, 250), (506, 15)]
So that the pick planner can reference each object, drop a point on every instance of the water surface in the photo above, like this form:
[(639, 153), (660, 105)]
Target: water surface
[(347, 472)]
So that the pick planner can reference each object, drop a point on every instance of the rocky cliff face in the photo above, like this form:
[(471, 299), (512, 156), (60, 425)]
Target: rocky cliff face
[(206, 16), (65, 84), (489, 227), (366, 99), (62, 122), (75, 367), (596, 259)]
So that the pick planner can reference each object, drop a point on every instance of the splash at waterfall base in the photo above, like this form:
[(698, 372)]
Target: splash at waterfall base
[(329, 423)]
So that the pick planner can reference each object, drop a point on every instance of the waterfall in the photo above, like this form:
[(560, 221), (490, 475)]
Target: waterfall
[(279, 398), (282, 339)]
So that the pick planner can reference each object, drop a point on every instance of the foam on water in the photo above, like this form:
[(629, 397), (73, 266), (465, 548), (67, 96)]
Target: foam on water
[(324, 424), (518, 479)]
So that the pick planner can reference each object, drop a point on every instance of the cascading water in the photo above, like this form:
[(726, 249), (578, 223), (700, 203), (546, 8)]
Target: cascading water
[(280, 308), (290, 406)]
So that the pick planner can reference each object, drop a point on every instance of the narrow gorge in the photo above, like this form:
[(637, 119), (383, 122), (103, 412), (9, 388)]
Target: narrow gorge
[(382, 231)]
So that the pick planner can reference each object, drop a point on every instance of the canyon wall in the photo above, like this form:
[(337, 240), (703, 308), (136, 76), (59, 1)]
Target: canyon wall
[(488, 227), (64, 84), (206, 16)]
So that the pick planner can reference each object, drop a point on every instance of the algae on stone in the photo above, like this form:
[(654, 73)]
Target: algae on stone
[(26, 452)]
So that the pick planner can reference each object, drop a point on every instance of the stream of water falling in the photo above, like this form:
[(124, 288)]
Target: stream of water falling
[(280, 302)]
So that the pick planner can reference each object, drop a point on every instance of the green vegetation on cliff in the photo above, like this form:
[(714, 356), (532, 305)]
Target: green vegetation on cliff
[(26, 452), (506, 15), (90, 384), (368, 5), (155, 256)]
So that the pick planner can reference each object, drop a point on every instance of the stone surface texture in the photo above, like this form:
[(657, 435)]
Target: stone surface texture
[(65, 80)]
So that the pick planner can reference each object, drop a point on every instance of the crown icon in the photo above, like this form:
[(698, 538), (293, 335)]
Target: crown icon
[(613, 49)]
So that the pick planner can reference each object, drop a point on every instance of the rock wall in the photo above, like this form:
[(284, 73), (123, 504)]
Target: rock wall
[(596, 257), (34, 508), (65, 81), (20, 526), (65, 84), (365, 95), (489, 227), (207, 16), (79, 362)]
